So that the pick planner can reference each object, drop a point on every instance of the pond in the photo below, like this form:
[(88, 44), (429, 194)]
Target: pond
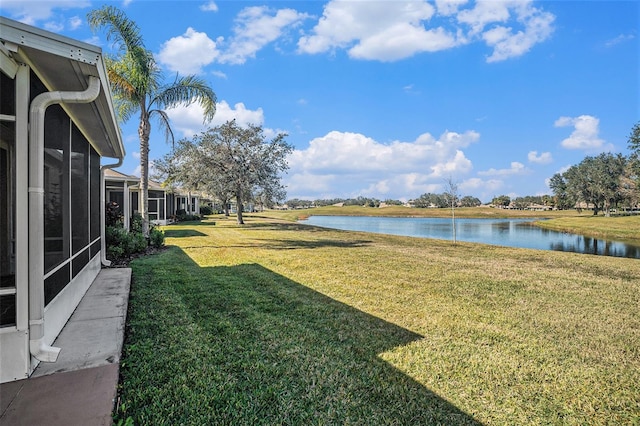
[(504, 232)]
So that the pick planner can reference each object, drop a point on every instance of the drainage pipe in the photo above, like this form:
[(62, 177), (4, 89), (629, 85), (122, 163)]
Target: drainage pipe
[(103, 220), (37, 346)]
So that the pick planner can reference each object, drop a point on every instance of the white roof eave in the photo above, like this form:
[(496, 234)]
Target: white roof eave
[(64, 64)]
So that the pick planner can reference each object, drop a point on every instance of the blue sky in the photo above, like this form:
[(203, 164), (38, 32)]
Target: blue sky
[(388, 99)]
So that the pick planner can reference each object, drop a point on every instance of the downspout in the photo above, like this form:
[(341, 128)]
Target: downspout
[(37, 346), (103, 219)]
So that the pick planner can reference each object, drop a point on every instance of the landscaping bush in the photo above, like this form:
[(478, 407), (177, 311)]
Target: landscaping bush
[(122, 244), (183, 216), (156, 238), (135, 224), (118, 242), (206, 210), (113, 215)]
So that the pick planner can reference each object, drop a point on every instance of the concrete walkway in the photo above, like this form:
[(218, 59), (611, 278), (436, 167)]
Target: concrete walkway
[(80, 387)]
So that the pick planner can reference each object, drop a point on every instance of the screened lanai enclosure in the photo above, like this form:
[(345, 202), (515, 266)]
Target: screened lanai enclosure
[(56, 125)]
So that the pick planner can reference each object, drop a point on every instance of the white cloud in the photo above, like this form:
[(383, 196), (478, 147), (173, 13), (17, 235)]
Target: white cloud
[(484, 12), (485, 190), (619, 39), (187, 120), (30, 13), (95, 40), (449, 7), (401, 41), (362, 165), (585, 133), (75, 22), (138, 169), (507, 44), (543, 158), (219, 74), (390, 31), (384, 31), (209, 7), (239, 112), (54, 26), (188, 53), (516, 168), (255, 28)]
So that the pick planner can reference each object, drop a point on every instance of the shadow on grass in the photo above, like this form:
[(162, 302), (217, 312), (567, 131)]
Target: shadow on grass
[(313, 244), (182, 233), (243, 345), (286, 244)]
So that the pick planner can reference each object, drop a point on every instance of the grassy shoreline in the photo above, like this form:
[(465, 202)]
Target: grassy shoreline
[(279, 323)]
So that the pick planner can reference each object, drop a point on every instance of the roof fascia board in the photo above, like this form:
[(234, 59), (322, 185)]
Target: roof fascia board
[(26, 35), (7, 64)]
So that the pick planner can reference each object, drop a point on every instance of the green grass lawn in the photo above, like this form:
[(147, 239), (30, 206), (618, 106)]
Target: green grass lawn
[(275, 322), (621, 228)]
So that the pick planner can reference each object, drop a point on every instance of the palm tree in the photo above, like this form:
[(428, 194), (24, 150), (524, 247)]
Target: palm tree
[(137, 86)]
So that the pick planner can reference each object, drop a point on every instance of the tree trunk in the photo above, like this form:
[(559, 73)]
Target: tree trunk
[(453, 221), (144, 131), (239, 209)]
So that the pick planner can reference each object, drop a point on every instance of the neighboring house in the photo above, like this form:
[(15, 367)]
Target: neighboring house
[(164, 203), (188, 201), (125, 190), (539, 207), (56, 124)]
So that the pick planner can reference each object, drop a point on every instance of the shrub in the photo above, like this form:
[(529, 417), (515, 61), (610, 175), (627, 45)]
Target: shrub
[(136, 223), (206, 210), (122, 244), (182, 216), (156, 238), (117, 241), (113, 216)]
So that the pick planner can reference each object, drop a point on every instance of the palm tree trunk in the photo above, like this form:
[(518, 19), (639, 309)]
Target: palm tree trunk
[(144, 131)]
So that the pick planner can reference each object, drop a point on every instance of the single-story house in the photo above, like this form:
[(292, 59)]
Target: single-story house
[(164, 203), (125, 191), (57, 124)]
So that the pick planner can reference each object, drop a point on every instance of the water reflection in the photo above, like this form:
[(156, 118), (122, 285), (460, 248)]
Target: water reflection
[(506, 232)]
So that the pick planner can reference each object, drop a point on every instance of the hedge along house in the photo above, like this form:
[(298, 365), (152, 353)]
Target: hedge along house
[(57, 122), (125, 191)]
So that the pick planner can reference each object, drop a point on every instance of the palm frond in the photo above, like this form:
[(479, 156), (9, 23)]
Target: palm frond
[(165, 124), (119, 28), (135, 62), (186, 91)]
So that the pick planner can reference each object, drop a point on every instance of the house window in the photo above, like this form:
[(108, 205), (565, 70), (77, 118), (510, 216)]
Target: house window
[(134, 196), (7, 229), (71, 200), (7, 201), (156, 205), (117, 197), (153, 209), (79, 190), (94, 194), (56, 188)]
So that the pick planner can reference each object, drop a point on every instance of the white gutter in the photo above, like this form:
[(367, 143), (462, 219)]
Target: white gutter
[(37, 346), (103, 220)]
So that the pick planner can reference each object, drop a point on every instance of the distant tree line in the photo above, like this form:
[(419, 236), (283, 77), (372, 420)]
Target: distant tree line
[(296, 203), (521, 203), (444, 200), (601, 182)]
